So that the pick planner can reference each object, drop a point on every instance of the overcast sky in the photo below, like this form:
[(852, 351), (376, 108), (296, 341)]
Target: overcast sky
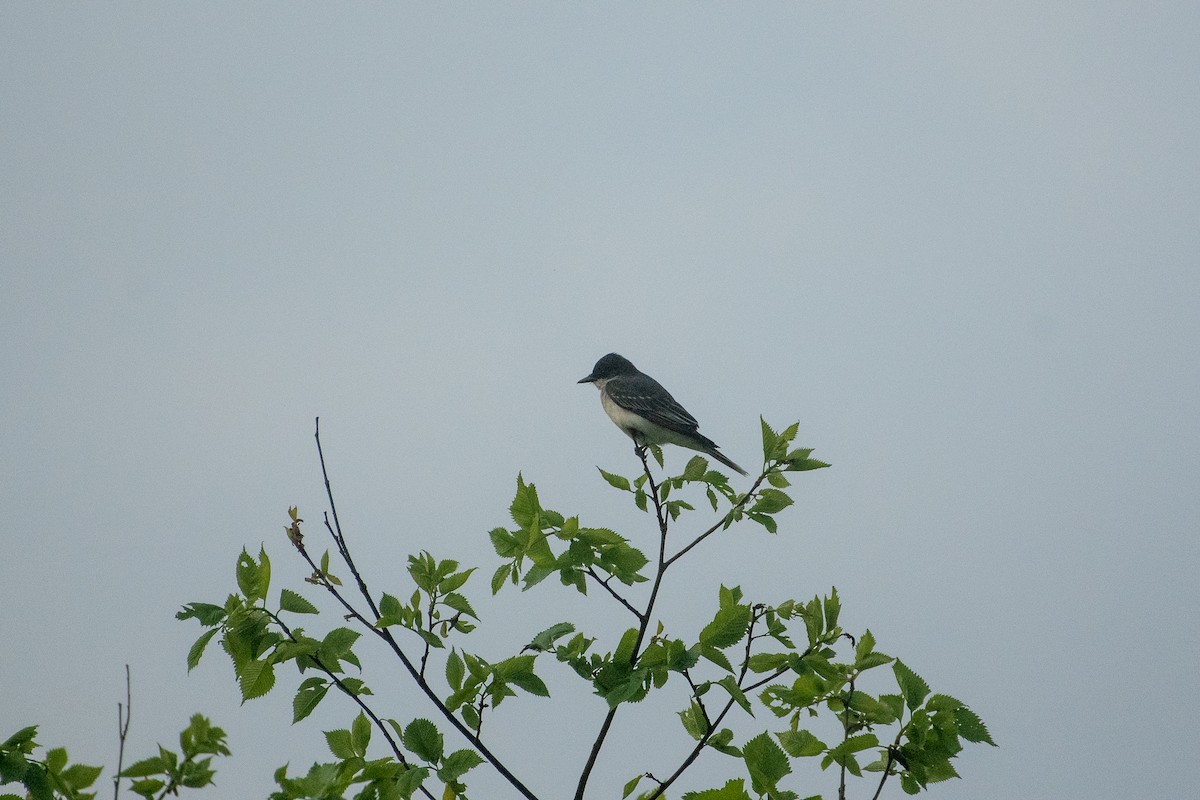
[(960, 244)]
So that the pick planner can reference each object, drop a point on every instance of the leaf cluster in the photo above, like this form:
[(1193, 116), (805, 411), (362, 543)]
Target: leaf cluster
[(43, 778)]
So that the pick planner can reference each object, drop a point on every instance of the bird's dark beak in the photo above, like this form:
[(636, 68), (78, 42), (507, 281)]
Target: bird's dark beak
[(588, 379)]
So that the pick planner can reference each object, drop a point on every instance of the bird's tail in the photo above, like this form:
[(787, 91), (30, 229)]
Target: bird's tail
[(719, 456)]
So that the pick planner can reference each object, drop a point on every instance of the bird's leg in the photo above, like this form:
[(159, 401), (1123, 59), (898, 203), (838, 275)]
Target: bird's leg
[(639, 447)]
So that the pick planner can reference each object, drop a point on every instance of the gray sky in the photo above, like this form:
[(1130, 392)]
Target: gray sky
[(960, 244)]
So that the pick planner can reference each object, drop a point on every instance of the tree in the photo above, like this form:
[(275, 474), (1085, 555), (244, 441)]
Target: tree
[(788, 657)]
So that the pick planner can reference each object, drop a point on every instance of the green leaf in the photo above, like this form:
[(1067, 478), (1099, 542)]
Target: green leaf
[(197, 649), (765, 761), (770, 440), (311, 692), (720, 741), (770, 501), (296, 603), (458, 764), (147, 788), (360, 734), (833, 608), (734, 789), (81, 776), (911, 685), (693, 721), (207, 613), (616, 481), (525, 506), (804, 464), (454, 670), (505, 543), (624, 651), (695, 469), (801, 743), (500, 576), (256, 678), (338, 642), (629, 787), (453, 582), (460, 604), (251, 579), (729, 684), (339, 743), (854, 744), (530, 683), (424, 740), (545, 640), (727, 628), (145, 768), (971, 727)]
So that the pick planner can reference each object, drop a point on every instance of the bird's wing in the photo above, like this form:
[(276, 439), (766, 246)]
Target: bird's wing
[(646, 397)]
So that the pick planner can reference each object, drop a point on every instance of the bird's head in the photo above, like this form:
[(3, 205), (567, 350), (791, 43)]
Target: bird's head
[(609, 367)]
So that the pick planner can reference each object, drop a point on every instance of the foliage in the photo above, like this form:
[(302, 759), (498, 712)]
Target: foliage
[(779, 667), (153, 778), (789, 658)]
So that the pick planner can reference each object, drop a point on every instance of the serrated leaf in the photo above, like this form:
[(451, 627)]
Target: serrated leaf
[(295, 602), (307, 698), (360, 734), (500, 576), (197, 649), (696, 467), (455, 581), (545, 640), (770, 439), (801, 743), (734, 789), (615, 481), (766, 762), (911, 685), (971, 727), (458, 764), (145, 768), (771, 501), (693, 721), (454, 670), (631, 785), (81, 776), (459, 603), (339, 743), (206, 613), (729, 684), (255, 679), (424, 739), (727, 627)]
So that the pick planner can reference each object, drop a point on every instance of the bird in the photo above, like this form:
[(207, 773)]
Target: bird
[(647, 412)]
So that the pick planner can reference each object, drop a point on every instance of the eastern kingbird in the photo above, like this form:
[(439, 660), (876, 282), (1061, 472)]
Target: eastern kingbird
[(641, 407)]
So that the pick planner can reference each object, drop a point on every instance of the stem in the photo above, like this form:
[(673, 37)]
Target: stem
[(887, 768), (713, 725), (122, 732), (746, 497), (604, 582), (387, 734), (386, 635), (643, 625)]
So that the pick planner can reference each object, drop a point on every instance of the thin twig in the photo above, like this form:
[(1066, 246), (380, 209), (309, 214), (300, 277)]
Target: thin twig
[(386, 635), (891, 758), (643, 624), (591, 571), (713, 726), (123, 731), (387, 734), (338, 537), (746, 497)]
